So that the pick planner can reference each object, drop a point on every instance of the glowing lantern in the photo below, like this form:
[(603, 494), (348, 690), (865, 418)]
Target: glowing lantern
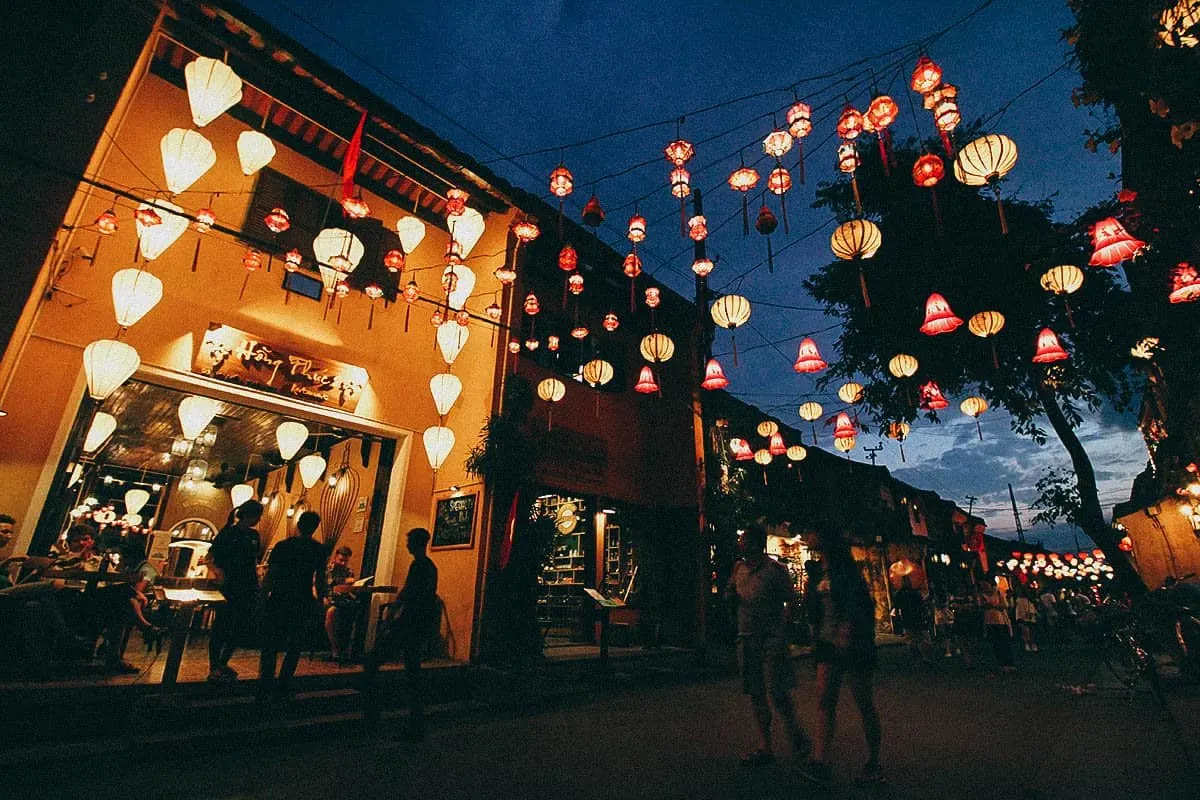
[(311, 467), (741, 449), (155, 238), (742, 180), (1177, 24), (461, 282), (438, 441), (843, 428), (532, 344), (939, 318), (551, 390), (632, 265), (765, 223), (777, 143), (98, 432), (810, 411), (697, 228), (356, 207), (845, 444), (796, 453), (532, 306), (466, 229), (525, 229), (858, 238), (106, 223), (653, 297), (411, 232), (394, 260), (645, 383), (196, 412), (562, 183), (777, 447), (579, 332), (986, 324), (1064, 279), (277, 221), (552, 343), (702, 267), (611, 322), (514, 346), (847, 158), (657, 348), (593, 212), (186, 155), (767, 428), (1185, 284), (290, 436), (943, 103), (973, 407), (926, 76), (799, 119), (932, 398), (1126, 544), (575, 283), (850, 393), (213, 88), (850, 123), (597, 372), (338, 249), (451, 339), (762, 457), (882, 112), (714, 376), (506, 275), (456, 202), (568, 258), (779, 181), (241, 493), (134, 293), (928, 170), (985, 161), (681, 183), (493, 311), (135, 500), (252, 260), (255, 151), (445, 389), (1112, 244), (1049, 348), (899, 432), (902, 365), (637, 228), (808, 359), (107, 364), (730, 311)]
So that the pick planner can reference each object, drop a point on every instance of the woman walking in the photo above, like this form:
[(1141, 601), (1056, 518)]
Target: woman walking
[(997, 623)]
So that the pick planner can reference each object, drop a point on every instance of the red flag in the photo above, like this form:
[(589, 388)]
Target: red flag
[(350, 160), (510, 529)]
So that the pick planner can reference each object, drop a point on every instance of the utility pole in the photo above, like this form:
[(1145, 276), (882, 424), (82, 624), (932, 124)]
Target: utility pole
[(1016, 515), (971, 500), (872, 451)]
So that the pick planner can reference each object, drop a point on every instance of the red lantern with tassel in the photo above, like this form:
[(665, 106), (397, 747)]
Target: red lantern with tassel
[(568, 259), (714, 376), (927, 172), (593, 214), (808, 358), (779, 182), (881, 114), (646, 383), (939, 317), (765, 223), (411, 293), (932, 398), (1112, 244), (926, 76), (394, 260), (850, 123), (799, 119), (843, 428), (742, 180), (1049, 348)]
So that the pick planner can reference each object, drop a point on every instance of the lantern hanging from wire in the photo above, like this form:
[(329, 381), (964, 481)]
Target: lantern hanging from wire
[(108, 363), (926, 76), (155, 237), (779, 181), (848, 162), (212, 87), (196, 412), (777, 447), (1063, 280), (808, 358), (843, 427), (1049, 348), (766, 224), (810, 412), (186, 155), (575, 283), (255, 150), (411, 232), (857, 240), (714, 376), (899, 432), (741, 449), (562, 183), (942, 103), (451, 339), (932, 398), (1112, 244), (973, 407), (902, 365), (657, 348), (679, 152), (983, 162), (845, 444), (743, 180), (1185, 284), (985, 325), (681, 187), (135, 292), (796, 453), (645, 382), (101, 428), (637, 228), (799, 119), (850, 123), (593, 213), (458, 280), (731, 311), (611, 322), (767, 428), (445, 389), (438, 441), (524, 229), (881, 113), (106, 225), (632, 267), (939, 317), (928, 170), (850, 393), (653, 297), (777, 143), (697, 228)]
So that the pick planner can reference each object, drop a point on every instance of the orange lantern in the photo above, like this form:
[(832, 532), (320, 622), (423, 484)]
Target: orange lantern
[(698, 228), (552, 343), (532, 306), (808, 359), (494, 311), (777, 143), (932, 398), (843, 428), (926, 76), (562, 183), (106, 223), (291, 261), (525, 229), (637, 228), (514, 347), (1049, 348), (847, 157), (568, 259), (942, 102), (1112, 244), (927, 171), (881, 114), (850, 123), (679, 152), (743, 180), (579, 332), (1185, 284), (355, 207), (611, 322), (681, 183), (645, 383), (939, 318), (653, 297), (206, 218), (777, 446), (575, 283), (394, 260), (799, 119), (779, 181), (593, 213), (456, 202), (714, 376)]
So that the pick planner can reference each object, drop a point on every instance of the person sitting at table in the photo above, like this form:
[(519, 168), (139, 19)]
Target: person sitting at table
[(126, 605), (79, 549), (341, 602)]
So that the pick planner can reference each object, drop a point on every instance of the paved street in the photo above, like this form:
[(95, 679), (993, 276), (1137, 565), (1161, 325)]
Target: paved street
[(948, 733)]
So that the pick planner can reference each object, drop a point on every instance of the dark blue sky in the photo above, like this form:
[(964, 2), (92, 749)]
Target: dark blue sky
[(503, 79)]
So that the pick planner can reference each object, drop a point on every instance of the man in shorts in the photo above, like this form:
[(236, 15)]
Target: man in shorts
[(760, 589)]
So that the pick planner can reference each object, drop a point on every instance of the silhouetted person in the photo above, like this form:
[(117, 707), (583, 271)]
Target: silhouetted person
[(290, 609), (233, 561), (411, 622)]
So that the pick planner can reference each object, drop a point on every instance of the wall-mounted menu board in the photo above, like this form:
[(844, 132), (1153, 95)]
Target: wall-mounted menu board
[(454, 518)]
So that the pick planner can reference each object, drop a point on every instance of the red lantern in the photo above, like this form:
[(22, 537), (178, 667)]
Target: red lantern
[(291, 261), (932, 398), (436, 318), (506, 275), (1126, 544), (494, 312), (850, 124), (939, 318), (698, 228), (552, 343), (568, 259), (808, 359), (525, 229), (681, 183), (847, 157), (679, 152), (632, 266), (394, 260), (766, 224), (277, 221), (1049, 349), (252, 260), (205, 219), (456, 202), (373, 291), (532, 306), (653, 296), (777, 143), (645, 383), (514, 347), (843, 428), (714, 376), (463, 317), (593, 214), (779, 181), (741, 450), (1185, 283), (342, 290), (611, 322), (1112, 244), (881, 114), (531, 344), (147, 217), (411, 292), (777, 447), (106, 223), (575, 283), (561, 182), (799, 119), (926, 76), (928, 170), (637, 228), (355, 207), (702, 267), (579, 332), (742, 180)]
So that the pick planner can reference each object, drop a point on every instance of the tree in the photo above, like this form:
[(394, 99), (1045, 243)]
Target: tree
[(1058, 499), (977, 268)]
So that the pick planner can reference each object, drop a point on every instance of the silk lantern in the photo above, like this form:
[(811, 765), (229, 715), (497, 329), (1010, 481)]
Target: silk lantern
[(240, 494), (338, 249), (799, 119), (1049, 348), (552, 390), (154, 239), (810, 412), (939, 317), (973, 407), (411, 232), (195, 413), (742, 180), (932, 398), (714, 376), (926, 76), (796, 453), (461, 282), (767, 428), (1112, 244), (845, 444), (1063, 280), (899, 431), (637, 228), (466, 229), (255, 150), (902, 365), (850, 393), (731, 311), (134, 292), (808, 357), (311, 467), (101, 428), (646, 383), (1185, 284), (135, 500), (777, 447), (857, 240), (741, 449), (451, 339), (985, 325), (212, 87), (842, 427), (290, 436), (984, 162), (445, 389), (186, 155), (657, 348), (108, 363)]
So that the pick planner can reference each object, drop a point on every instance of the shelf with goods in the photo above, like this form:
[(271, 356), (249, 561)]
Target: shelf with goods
[(560, 606)]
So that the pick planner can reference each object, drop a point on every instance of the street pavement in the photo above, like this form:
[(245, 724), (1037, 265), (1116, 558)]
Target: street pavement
[(949, 732)]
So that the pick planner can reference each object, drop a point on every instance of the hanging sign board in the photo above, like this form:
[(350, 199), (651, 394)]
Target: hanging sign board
[(454, 520), (235, 356)]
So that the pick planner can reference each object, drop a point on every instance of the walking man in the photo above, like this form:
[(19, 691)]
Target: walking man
[(290, 609), (761, 590), (233, 562)]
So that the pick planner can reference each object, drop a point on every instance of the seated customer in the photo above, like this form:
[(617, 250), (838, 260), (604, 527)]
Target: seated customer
[(126, 605), (341, 603), (79, 551)]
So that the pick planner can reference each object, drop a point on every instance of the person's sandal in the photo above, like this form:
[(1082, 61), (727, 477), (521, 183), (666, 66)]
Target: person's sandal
[(758, 758), (817, 773)]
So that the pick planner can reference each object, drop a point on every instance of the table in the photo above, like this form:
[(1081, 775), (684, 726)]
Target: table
[(89, 577), (186, 602)]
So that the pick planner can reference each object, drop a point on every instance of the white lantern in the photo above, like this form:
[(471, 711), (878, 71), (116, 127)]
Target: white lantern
[(330, 278), (108, 364), (451, 338), (291, 436), (338, 248), (195, 412), (597, 372), (255, 151), (241, 493), (462, 283), (101, 428), (552, 390), (135, 499), (135, 292), (312, 467), (411, 232), (197, 469), (153, 240), (445, 389), (186, 155), (438, 443), (466, 228), (213, 88), (657, 348)]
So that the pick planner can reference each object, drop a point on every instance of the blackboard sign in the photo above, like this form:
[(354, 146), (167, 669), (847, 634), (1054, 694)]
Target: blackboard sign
[(454, 520)]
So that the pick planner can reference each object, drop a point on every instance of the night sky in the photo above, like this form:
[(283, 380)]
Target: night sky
[(501, 80)]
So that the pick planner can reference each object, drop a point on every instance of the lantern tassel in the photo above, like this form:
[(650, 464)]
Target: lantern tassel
[(287, 293), (99, 238), (325, 312), (1070, 317), (862, 282), (682, 218), (371, 317), (137, 249), (902, 459), (946, 144), (745, 219), (270, 258), (339, 314), (632, 302), (196, 252), (560, 219), (979, 429), (407, 311), (765, 477), (245, 281), (857, 196), (995, 357), (550, 418), (597, 405), (883, 153), (733, 338), (937, 212), (770, 256), (1000, 209), (801, 152), (813, 427), (783, 209)]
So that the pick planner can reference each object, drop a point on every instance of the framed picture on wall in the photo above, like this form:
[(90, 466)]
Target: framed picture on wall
[(455, 518)]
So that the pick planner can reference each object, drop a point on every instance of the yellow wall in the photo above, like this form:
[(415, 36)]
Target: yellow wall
[(400, 364), (1164, 544)]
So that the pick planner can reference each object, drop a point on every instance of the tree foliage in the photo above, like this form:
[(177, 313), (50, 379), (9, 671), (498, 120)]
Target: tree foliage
[(1058, 499)]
